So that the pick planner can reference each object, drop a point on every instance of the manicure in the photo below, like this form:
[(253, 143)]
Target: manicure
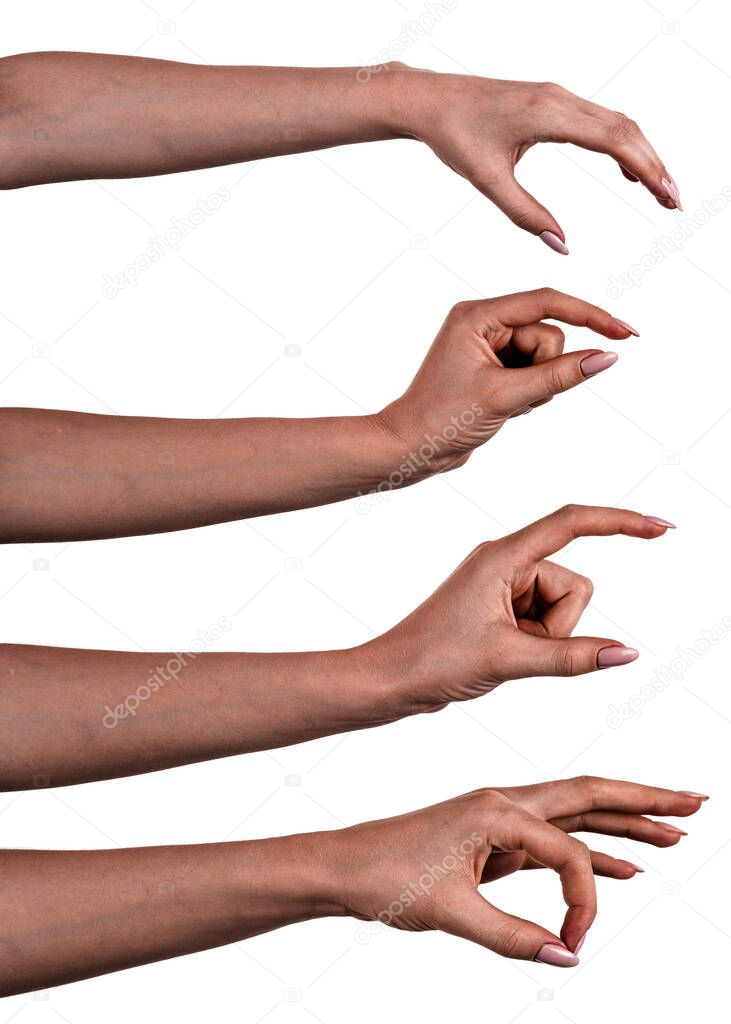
[(521, 412), (661, 522), (696, 796), (609, 657), (670, 828), (677, 194), (553, 242), (598, 362), (556, 956), (579, 944), (627, 327), (672, 190)]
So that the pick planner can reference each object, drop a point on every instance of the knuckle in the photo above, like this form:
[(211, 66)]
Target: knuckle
[(522, 216), (546, 294), (585, 586), (461, 310), (580, 854), (554, 379), (569, 512), (485, 549), (564, 661), (587, 786), (623, 128), (494, 796), (555, 333), (507, 939), (552, 90)]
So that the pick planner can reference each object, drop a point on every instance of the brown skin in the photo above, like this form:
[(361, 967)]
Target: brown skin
[(79, 115), (505, 613), (76, 476), (68, 915)]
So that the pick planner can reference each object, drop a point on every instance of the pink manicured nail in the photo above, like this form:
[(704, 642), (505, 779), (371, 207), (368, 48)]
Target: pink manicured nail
[(677, 194), (661, 522), (598, 362), (608, 657), (579, 944), (672, 190), (556, 956), (670, 828), (521, 412), (636, 867), (696, 796), (627, 327), (553, 242)]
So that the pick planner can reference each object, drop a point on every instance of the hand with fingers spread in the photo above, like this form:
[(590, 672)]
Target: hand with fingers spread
[(421, 871), (494, 359), (507, 612), (482, 127)]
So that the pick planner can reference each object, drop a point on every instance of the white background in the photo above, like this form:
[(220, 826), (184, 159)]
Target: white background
[(356, 255)]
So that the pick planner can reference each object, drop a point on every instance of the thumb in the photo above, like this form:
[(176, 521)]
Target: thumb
[(480, 921), (572, 656), (531, 384), (502, 187)]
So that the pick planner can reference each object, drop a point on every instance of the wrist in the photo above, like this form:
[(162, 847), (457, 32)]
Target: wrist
[(375, 683), (407, 97), (423, 450), (393, 454)]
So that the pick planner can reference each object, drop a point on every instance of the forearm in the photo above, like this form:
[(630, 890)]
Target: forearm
[(68, 915), (69, 716), (78, 115), (76, 476)]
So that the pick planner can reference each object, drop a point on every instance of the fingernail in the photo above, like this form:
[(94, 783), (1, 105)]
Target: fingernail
[(556, 956), (696, 796), (598, 362), (670, 828), (677, 194), (553, 242), (521, 412), (608, 657), (627, 327), (636, 867), (579, 944), (661, 522), (672, 190)]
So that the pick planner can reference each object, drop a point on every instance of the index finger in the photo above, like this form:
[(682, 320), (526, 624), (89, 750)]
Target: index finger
[(567, 797), (522, 308), (548, 535), (567, 856)]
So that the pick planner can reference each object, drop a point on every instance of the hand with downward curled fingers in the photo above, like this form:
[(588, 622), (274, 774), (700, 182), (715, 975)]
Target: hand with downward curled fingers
[(494, 359), (421, 871), (482, 127), (508, 612)]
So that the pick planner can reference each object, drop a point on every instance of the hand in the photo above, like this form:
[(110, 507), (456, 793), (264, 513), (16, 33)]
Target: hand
[(507, 613), (421, 871), (491, 360), (481, 127)]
